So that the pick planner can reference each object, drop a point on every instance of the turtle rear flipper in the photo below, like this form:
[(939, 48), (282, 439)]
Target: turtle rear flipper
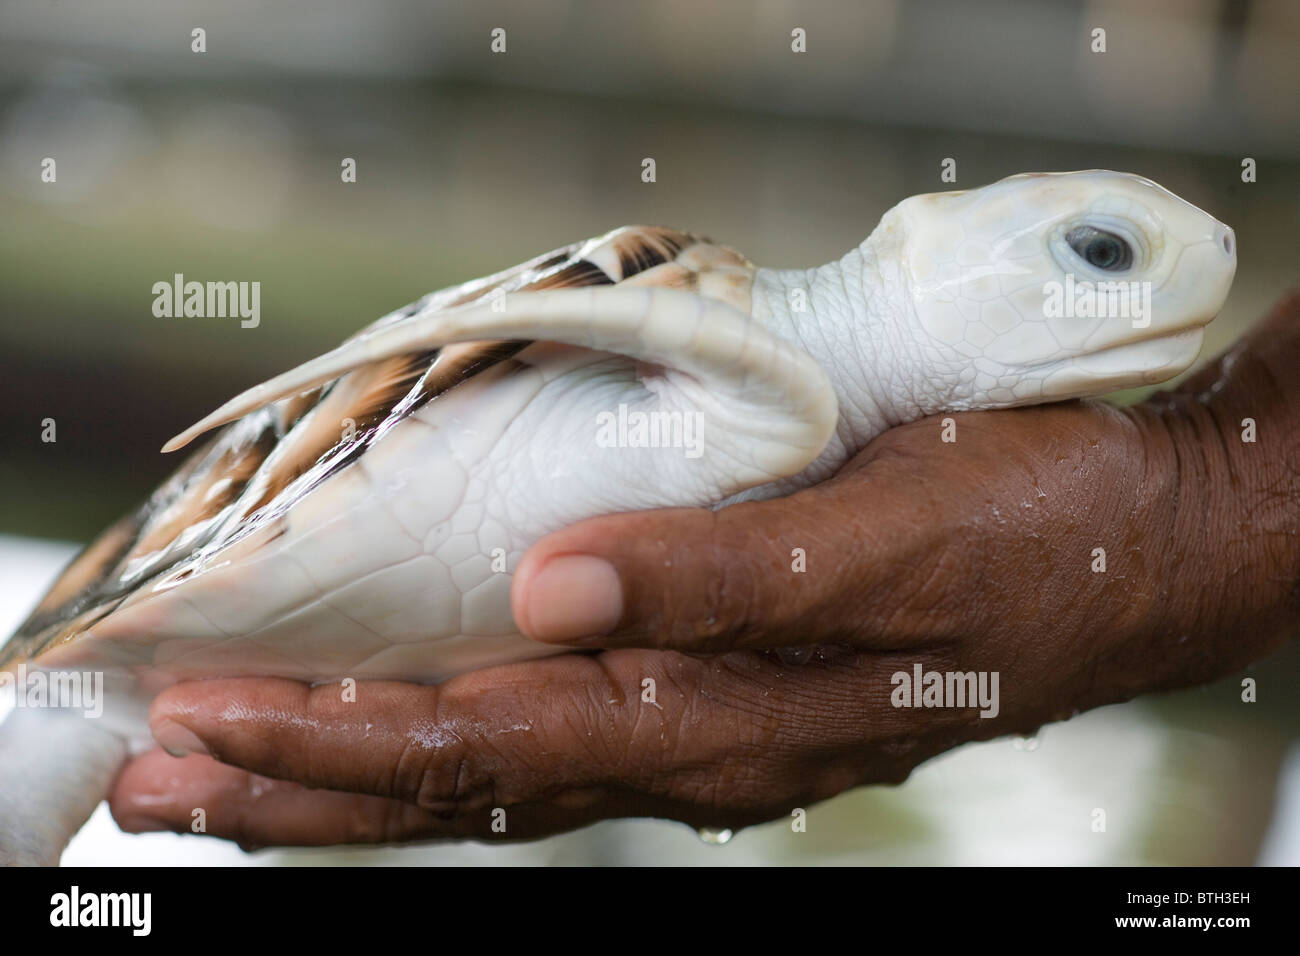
[(55, 767)]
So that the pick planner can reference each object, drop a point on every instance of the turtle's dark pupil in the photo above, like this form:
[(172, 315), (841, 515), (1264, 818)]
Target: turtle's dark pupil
[(1103, 253), (1103, 250)]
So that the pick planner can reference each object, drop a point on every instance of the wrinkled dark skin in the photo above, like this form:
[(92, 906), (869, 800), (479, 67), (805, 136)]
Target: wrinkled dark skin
[(974, 555)]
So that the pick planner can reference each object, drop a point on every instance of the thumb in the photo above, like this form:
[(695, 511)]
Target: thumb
[(775, 573)]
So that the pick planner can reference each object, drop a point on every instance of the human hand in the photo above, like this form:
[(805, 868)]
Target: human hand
[(977, 555)]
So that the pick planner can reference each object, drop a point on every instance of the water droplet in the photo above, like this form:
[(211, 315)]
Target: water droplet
[(715, 836), (794, 656)]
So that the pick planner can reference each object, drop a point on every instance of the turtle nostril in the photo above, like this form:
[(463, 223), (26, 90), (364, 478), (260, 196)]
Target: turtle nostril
[(1227, 240)]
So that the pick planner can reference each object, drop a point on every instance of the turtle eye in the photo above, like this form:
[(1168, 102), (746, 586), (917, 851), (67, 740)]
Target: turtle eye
[(1100, 249)]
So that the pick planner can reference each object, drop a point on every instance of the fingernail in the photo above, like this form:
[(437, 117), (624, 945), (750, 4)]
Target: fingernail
[(177, 740), (572, 596), (131, 822)]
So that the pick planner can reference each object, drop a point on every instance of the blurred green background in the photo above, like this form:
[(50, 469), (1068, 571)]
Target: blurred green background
[(225, 165)]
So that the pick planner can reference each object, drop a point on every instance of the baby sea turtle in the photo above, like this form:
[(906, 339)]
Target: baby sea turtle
[(357, 516)]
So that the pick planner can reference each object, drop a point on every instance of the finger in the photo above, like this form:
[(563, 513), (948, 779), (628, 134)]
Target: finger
[(158, 792), (774, 573), (556, 743), (198, 795)]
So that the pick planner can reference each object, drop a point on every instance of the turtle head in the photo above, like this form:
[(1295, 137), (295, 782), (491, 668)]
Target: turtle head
[(1055, 285)]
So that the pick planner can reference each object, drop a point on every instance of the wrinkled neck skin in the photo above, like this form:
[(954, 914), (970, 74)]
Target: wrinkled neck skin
[(859, 326)]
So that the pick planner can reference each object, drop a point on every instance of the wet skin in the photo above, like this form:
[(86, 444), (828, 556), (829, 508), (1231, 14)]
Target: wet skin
[(973, 555)]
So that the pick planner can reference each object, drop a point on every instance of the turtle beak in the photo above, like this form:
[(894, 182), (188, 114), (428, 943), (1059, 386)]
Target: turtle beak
[(1209, 266)]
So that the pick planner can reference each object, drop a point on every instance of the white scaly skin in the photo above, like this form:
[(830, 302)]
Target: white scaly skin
[(850, 324), (386, 570)]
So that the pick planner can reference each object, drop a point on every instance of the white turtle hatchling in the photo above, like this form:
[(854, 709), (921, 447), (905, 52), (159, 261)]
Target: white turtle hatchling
[(354, 515)]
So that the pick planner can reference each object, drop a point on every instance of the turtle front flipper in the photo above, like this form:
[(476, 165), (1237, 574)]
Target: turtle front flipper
[(779, 405)]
